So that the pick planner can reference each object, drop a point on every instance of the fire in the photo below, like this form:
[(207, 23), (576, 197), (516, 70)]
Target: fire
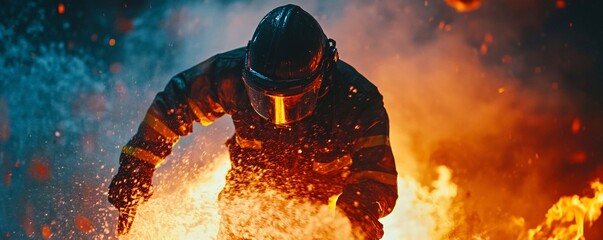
[(566, 219), (464, 5), (190, 211), (422, 212), (187, 210)]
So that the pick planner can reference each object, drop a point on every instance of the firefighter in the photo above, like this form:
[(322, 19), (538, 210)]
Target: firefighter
[(306, 124)]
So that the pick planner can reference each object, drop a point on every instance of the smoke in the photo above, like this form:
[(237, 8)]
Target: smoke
[(487, 93)]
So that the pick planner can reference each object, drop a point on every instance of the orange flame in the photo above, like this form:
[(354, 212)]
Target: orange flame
[(566, 219), (422, 212)]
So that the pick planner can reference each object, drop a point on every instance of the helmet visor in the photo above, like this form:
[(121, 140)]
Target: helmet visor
[(285, 106)]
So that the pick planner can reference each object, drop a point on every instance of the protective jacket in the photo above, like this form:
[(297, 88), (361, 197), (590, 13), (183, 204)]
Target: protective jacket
[(341, 148)]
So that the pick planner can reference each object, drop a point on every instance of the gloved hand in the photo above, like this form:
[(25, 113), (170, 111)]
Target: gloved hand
[(363, 223), (131, 186)]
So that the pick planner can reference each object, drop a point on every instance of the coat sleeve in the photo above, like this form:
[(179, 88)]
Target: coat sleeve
[(188, 97), (372, 184)]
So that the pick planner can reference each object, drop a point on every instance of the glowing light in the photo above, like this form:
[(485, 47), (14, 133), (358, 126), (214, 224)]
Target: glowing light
[(464, 5), (111, 42), (501, 90), (488, 38), (61, 8), (560, 4), (576, 125), (506, 59), (83, 224), (39, 170), (46, 232), (578, 157)]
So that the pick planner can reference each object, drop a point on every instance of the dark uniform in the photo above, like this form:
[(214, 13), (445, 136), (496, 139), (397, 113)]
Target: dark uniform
[(341, 147)]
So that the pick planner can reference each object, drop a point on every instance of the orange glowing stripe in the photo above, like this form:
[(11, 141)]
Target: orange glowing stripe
[(142, 154), (382, 177), (159, 127), (333, 201), (279, 110), (371, 141), (329, 167), (202, 118), (247, 143)]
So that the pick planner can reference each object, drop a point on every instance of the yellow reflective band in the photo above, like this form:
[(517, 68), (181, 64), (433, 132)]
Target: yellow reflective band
[(329, 167), (143, 155), (371, 141), (382, 177), (333, 201), (247, 143), (159, 127), (202, 118), (279, 110)]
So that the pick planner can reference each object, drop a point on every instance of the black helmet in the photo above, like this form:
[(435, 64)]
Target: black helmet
[(287, 59)]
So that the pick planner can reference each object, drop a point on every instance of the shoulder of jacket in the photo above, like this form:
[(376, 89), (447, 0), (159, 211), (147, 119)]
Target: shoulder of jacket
[(356, 82)]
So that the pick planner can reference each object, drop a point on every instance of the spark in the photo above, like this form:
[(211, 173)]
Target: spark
[(61, 8)]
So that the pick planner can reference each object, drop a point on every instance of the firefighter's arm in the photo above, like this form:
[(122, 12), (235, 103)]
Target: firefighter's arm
[(188, 97), (371, 189)]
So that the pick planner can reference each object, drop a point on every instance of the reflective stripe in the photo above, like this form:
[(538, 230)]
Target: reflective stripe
[(279, 110), (333, 201), (204, 120), (371, 141), (142, 154), (329, 167), (248, 143), (382, 177), (159, 127)]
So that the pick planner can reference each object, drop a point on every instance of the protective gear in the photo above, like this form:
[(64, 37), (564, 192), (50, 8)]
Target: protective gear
[(286, 65), (364, 224), (131, 186)]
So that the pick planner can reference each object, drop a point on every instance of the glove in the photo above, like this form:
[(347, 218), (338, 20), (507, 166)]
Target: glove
[(365, 224), (131, 186)]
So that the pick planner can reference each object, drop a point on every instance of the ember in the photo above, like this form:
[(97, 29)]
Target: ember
[(46, 232), (464, 5), (61, 8), (39, 170), (83, 224)]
